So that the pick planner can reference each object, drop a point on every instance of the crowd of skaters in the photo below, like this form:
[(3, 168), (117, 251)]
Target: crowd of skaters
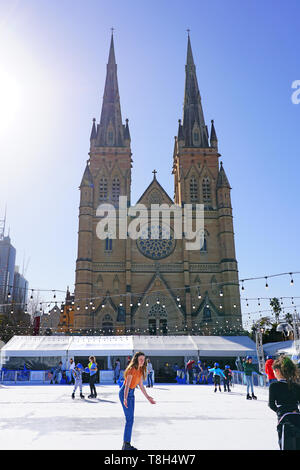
[(282, 374)]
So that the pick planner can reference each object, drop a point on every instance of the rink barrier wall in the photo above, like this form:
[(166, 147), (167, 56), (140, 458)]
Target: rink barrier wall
[(239, 378), (44, 376), (106, 377)]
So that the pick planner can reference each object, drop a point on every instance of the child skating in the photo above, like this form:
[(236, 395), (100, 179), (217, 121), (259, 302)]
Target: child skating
[(217, 373), (228, 377), (77, 374)]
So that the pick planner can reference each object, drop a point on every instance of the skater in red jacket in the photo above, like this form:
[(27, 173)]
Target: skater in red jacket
[(269, 370)]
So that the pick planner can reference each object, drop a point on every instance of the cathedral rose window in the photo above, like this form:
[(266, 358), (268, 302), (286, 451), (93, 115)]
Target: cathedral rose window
[(160, 245)]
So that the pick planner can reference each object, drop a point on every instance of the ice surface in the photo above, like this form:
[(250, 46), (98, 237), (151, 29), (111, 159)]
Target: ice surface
[(184, 417)]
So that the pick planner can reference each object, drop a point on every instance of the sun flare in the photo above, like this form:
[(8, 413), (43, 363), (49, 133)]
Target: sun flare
[(9, 100)]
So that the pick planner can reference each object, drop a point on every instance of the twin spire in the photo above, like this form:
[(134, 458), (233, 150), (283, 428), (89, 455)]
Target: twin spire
[(192, 131), (111, 132)]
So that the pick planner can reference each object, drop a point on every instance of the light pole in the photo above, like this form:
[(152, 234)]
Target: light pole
[(296, 333), (259, 348)]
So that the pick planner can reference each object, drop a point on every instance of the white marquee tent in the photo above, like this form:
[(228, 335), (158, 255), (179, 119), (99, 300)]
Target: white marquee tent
[(68, 346)]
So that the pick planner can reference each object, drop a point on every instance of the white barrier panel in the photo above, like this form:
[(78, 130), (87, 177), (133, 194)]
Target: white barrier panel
[(106, 376), (37, 376)]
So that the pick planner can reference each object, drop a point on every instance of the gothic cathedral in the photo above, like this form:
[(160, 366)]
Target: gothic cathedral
[(155, 286)]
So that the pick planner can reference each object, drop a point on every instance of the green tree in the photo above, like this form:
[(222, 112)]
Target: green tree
[(275, 304)]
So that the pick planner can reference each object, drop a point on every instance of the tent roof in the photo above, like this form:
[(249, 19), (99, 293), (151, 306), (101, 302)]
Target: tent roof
[(165, 345), (126, 345), (225, 345), (273, 348)]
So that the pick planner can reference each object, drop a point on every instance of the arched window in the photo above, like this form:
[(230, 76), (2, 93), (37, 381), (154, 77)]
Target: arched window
[(206, 190), (103, 189), (108, 244), (115, 190), (107, 325), (204, 246), (206, 314), (193, 189), (157, 320), (110, 137)]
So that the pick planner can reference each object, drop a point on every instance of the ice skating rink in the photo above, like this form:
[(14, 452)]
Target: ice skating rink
[(189, 417)]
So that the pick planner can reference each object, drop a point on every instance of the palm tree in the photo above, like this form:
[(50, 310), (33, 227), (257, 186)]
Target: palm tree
[(275, 304), (289, 318)]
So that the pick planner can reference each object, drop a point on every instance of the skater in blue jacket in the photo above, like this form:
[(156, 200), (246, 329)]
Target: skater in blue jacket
[(217, 374)]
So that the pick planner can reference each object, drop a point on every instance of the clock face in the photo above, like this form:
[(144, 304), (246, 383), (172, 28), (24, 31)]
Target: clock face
[(156, 241)]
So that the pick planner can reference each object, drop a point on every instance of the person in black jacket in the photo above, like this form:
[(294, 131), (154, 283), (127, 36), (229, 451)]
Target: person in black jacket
[(284, 399)]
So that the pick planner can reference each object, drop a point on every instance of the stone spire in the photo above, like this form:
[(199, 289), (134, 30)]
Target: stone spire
[(193, 124), (213, 136), (93, 131), (222, 181), (87, 179), (111, 130)]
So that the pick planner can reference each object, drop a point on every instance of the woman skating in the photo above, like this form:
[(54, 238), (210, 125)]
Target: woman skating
[(92, 369), (134, 375), (249, 368), (284, 399)]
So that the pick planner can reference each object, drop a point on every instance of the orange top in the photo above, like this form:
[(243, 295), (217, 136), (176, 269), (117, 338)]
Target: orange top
[(136, 377)]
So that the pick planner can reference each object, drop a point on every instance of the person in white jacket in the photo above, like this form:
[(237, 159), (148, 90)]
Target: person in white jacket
[(70, 368)]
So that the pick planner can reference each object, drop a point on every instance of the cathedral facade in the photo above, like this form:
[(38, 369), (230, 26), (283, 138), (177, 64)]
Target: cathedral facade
[(155, 286)]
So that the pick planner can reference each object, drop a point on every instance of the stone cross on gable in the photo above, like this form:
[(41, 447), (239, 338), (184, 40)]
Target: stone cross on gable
[(154, 174)]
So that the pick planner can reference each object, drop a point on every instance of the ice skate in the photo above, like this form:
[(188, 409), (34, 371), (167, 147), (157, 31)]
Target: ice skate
[(254, 397), (73, 395), (248, 397), (81, 396), (128, 446)]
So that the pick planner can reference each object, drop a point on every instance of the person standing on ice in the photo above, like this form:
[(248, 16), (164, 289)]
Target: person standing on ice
[(149, 373), (205, 374), (117, 370), (92, 370), (57, 374), (217, 374), (77, 374), (228, 377), (135, 374), (284, 399), (190, 372), (249, 368), (269, 369), (71, 367)]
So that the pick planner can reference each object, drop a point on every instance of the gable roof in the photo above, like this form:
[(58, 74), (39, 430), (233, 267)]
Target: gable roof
[(155, 185)]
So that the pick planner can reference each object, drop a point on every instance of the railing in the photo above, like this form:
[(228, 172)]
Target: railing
[(44, 376), (258, 380), (18, 376)]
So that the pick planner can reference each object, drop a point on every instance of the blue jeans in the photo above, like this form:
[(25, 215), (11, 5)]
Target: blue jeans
[(249, 381), (150, 379), (128, 412)]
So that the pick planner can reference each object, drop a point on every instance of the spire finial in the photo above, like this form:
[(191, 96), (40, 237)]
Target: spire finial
[(154, 174), (188, 31)]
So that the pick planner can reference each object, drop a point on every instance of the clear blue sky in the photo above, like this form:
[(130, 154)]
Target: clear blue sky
[(54, 57)]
